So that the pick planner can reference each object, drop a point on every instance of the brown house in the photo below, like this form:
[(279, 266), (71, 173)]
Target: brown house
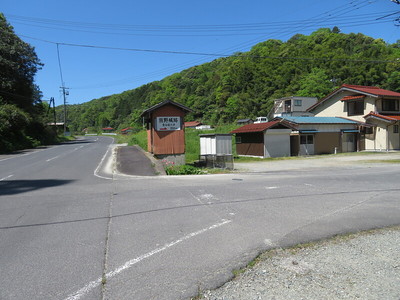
[(165, 130), (271, 139)]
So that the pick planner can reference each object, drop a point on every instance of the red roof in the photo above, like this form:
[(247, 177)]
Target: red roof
[(385, 117), (192, 124), (356, 97), (371, 90), (127, 128), (258, 127), (108, 128)]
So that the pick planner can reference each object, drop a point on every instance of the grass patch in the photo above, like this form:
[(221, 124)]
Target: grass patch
[(183, 170), (139, 138), (123, 138)]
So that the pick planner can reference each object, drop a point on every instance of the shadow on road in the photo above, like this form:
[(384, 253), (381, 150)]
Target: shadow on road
[(247, 200), (13, 187), (76, 142)]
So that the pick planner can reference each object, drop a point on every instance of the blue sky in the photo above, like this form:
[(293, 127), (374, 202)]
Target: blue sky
[(160, 35)]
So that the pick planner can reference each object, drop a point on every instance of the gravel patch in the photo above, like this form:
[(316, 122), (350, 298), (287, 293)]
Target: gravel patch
[(358, 266), (359, 160)]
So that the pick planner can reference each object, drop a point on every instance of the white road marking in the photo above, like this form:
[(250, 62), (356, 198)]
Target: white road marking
[(73, 150), (4, 178), (25, 154), (55, 157), (95, 173), (207, 196), (95, 283), (271, 187)]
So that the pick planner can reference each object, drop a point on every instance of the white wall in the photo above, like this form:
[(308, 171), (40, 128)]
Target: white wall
[(333, 107), (216, 145), (277, 142), (207, 145), (224, 145)]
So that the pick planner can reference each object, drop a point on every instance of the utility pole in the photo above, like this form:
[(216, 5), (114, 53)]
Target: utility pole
[(54, 112), (65, 93)]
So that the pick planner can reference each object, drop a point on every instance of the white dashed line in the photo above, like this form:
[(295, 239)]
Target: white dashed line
[(4, 178), (93, 284), (55, 157)]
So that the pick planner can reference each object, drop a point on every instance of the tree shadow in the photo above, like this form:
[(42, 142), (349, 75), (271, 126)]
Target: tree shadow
[(76, 142), (13, 187)]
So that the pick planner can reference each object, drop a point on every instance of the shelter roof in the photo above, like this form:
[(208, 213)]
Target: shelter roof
[(166, 102), (258, 127)]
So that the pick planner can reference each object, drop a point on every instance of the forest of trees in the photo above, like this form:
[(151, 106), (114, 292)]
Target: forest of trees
[(22, 113), (245, 84)]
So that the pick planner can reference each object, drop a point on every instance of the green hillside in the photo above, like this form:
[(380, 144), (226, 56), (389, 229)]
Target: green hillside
[(23, 116), (244, 85)]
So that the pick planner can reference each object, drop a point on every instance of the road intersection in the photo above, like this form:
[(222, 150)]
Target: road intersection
[(67, 234)]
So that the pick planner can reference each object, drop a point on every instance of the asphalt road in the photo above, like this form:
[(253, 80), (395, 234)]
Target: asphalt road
[(71, 228)]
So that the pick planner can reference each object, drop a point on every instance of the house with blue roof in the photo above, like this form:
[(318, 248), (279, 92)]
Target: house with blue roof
[(321, 135)]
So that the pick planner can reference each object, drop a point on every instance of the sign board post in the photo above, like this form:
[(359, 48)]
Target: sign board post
[(168, 123), (165, 131)]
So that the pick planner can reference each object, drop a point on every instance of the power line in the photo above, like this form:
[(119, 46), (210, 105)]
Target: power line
[(204, 54), (206, 30)]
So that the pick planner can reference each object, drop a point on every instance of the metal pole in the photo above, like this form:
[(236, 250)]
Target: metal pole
[(65, 109)]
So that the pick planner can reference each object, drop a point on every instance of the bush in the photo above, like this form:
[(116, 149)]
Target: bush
[(183, 170)]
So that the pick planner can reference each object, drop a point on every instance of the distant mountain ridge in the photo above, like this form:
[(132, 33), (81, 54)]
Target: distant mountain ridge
[(244, 85)]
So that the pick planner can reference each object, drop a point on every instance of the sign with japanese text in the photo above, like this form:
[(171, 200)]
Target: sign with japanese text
[(168, 123)]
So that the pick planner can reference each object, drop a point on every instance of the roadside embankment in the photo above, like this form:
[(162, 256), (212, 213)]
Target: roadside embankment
[(357, 266)]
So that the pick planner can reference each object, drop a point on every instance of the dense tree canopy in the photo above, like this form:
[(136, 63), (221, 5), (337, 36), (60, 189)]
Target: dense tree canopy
[(18, 64), (21, 111), (245, 84)]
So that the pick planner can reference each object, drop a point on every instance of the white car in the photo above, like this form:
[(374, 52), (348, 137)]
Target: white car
[(261, 120)]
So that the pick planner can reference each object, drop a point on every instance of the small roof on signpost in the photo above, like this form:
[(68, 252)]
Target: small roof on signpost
[(153, 108)]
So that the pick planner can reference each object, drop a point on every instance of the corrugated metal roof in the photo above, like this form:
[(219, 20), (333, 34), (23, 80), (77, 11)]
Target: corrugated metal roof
[(317, 120), (258, 127), (350, 130)]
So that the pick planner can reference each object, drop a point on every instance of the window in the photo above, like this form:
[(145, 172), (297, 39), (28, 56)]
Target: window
[(306, 139), (297, 102), (367, 130), (390, 105), (355, 108), (395, 128), (238, 139)]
